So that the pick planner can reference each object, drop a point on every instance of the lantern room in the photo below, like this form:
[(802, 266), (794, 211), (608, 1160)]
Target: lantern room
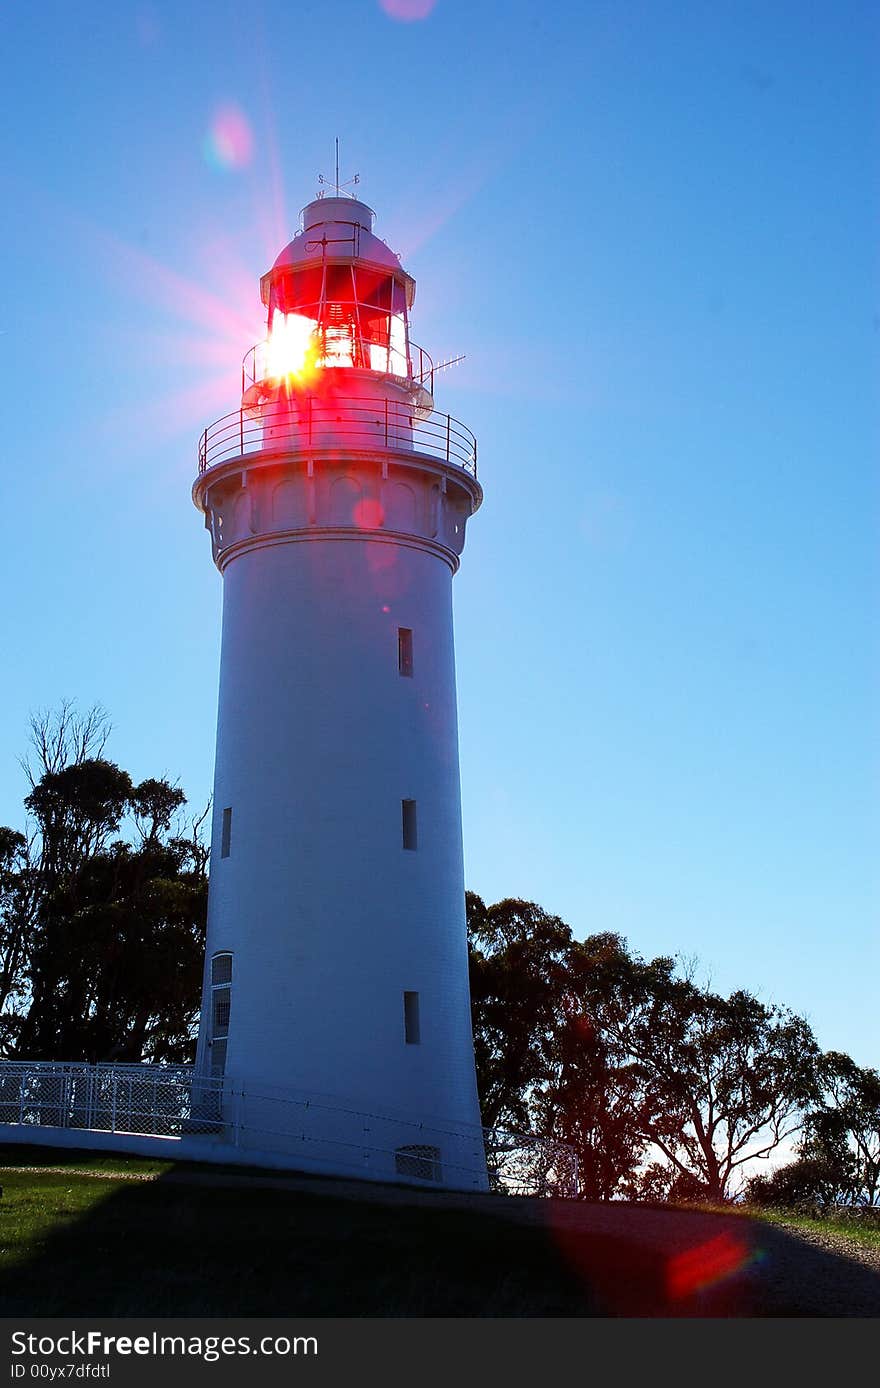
[(338, 299)]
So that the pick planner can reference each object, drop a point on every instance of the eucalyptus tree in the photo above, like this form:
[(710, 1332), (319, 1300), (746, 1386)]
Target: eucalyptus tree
[(664, 1089), (519, 959), (102, 906), (837, 1161), (726, 1080)]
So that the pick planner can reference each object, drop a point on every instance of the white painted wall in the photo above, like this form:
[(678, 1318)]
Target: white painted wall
[(365, 1163), (319, 739)]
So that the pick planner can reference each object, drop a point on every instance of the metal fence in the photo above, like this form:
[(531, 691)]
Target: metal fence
[(147, 1099), (527, 1164), (175, 1101), (316, 423)]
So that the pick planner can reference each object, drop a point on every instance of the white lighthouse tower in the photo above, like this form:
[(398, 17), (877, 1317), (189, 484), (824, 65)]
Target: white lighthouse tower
[(336, 1014)]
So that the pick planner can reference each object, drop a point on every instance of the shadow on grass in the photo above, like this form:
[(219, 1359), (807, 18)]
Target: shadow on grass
[(169, 1248), (186, 1244)]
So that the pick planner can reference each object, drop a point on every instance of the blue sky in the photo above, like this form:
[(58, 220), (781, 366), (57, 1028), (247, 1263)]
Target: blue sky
[(652, 229)]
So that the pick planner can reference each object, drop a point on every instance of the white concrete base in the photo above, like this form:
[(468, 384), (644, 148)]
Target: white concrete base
[(375, 1166)]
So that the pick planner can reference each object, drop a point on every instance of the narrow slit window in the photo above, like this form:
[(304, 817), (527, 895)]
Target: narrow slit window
[(410, 830), (405, 651), (226, 833), (411, 1027)]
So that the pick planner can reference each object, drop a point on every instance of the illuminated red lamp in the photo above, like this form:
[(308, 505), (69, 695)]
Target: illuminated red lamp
[(338, 300)]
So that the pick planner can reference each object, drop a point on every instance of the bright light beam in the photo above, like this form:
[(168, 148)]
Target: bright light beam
[(292, 346)]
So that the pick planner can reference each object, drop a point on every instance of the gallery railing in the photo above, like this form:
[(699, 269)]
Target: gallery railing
[(337, 422), (255, 367)]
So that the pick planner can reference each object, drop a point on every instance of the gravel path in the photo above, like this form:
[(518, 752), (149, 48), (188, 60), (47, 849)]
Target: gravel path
[(832, 1241)]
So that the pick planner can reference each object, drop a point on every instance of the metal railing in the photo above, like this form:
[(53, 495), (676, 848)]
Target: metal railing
[(312, 423), (255, 366), (176, 1101), (148, 1099), (528, 1164), (422, 366)]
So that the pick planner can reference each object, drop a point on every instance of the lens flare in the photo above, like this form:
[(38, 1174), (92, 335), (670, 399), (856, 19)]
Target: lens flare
[(292, 346), (407, 10), (368, 514), (705, 1265), (229, 143)]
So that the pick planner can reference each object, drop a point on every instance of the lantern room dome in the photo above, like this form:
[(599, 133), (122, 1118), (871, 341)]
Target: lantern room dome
[(321, 210), (337, 298), (347, 226), (336, 230)]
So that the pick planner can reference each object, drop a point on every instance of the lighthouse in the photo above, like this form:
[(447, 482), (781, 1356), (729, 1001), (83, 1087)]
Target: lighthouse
[(335, 1022)]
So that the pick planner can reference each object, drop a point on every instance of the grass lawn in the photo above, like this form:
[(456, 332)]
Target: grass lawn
[(22, 1155), (857, 1231), (75, 1244)]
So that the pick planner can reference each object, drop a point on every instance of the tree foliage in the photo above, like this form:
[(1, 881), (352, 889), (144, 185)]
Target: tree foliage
[(844, 1127), (519, 962), (592, 1096), (725, 1080), (664, 1089), (837, 1161), (15, 917), (102, 907)]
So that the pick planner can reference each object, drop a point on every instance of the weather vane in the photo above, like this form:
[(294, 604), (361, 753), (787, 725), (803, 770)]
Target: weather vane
[(338, 187)]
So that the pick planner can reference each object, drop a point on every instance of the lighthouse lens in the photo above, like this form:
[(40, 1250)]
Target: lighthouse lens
[(338, 346)]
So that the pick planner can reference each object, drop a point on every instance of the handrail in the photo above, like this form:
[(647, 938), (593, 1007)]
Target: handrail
[(421, 367), (425, 373), (315, 423)]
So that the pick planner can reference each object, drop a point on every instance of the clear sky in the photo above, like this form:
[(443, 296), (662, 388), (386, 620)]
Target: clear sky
[(652, 227)]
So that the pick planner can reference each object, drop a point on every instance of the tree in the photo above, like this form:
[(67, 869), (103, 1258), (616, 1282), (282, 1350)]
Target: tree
[(102, 907), (723, 1081), (592, 1097), (518, 977), (809, 1182), (843, 1128), (14, 917), (665, 1090), (838, 1158), (542, 1061)]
